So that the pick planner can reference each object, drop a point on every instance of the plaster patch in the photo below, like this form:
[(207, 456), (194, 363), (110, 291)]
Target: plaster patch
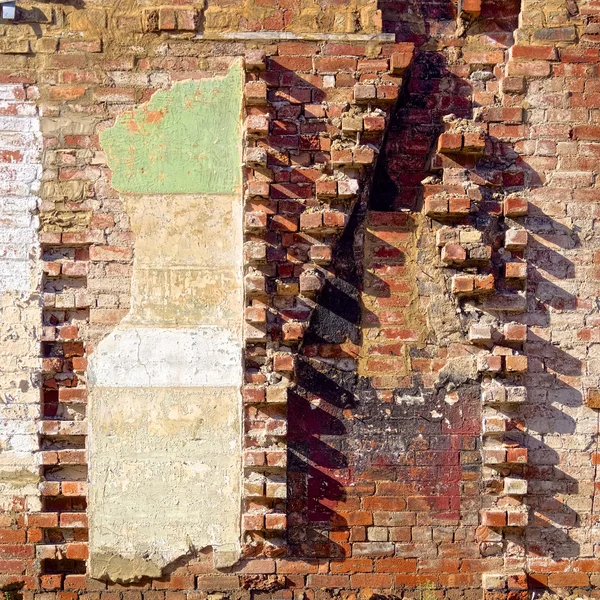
[(164, 477), (184, 140), (163, 357), (165, 400)]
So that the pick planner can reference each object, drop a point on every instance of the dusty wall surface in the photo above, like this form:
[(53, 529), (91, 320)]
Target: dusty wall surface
[(165, 399), (417, 396)]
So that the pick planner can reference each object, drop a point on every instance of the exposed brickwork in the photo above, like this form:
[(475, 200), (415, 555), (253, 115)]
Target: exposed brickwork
[(421, 282)]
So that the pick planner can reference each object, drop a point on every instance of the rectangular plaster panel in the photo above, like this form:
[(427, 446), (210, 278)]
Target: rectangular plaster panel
[(184, 140), (165, 385)]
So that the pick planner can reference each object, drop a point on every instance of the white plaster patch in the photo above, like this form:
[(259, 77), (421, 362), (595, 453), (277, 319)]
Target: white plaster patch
[(168, 357)]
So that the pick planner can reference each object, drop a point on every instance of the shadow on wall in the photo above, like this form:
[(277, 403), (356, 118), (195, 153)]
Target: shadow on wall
[(343, 437)]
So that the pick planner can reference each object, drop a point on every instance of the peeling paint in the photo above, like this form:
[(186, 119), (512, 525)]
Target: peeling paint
[(184, 141)]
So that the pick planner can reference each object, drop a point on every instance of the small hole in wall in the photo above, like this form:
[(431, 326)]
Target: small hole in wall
[(56, 566)]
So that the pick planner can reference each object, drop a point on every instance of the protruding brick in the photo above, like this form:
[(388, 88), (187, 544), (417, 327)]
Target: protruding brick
[(326, 188), (515, 270), (450, 143), (352, 124), (474, 143), (256, 157), (514, 486), (494, 425), (255, 92), (515, 207), (348, 188), (517, 455), (516, 364), (436, 206), (364, 93), (453, 253), (515, 332), (255, 60), (321, 254), (517, 518), (493, 518), (480, 334), (515, 239), (463, 284), (484, 284), (400, 61), (459, 206), (491, 581), (489, 363), (593, 398), (257, 125)]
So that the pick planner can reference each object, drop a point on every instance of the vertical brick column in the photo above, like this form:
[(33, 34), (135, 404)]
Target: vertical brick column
[(316, 115)]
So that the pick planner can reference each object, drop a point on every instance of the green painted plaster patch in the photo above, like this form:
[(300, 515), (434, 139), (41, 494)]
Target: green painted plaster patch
[(186, 140)]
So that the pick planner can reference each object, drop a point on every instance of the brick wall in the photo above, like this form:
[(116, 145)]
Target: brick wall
[(420, 252)]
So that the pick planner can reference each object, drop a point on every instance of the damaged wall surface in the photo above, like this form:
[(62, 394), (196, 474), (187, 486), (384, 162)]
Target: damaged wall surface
[(165, 401), (319, 299), (20, 302)]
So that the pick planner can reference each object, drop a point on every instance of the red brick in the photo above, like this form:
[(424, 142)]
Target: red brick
[(450, 142), (384, 503), (77, 551), (396, 565), (568, 580), (335, 64), (371, 580), (110, 253), (12, 536), (328, 581), (493, 518)]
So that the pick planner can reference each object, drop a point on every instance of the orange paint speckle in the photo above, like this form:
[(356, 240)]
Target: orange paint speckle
[(155, 116)]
